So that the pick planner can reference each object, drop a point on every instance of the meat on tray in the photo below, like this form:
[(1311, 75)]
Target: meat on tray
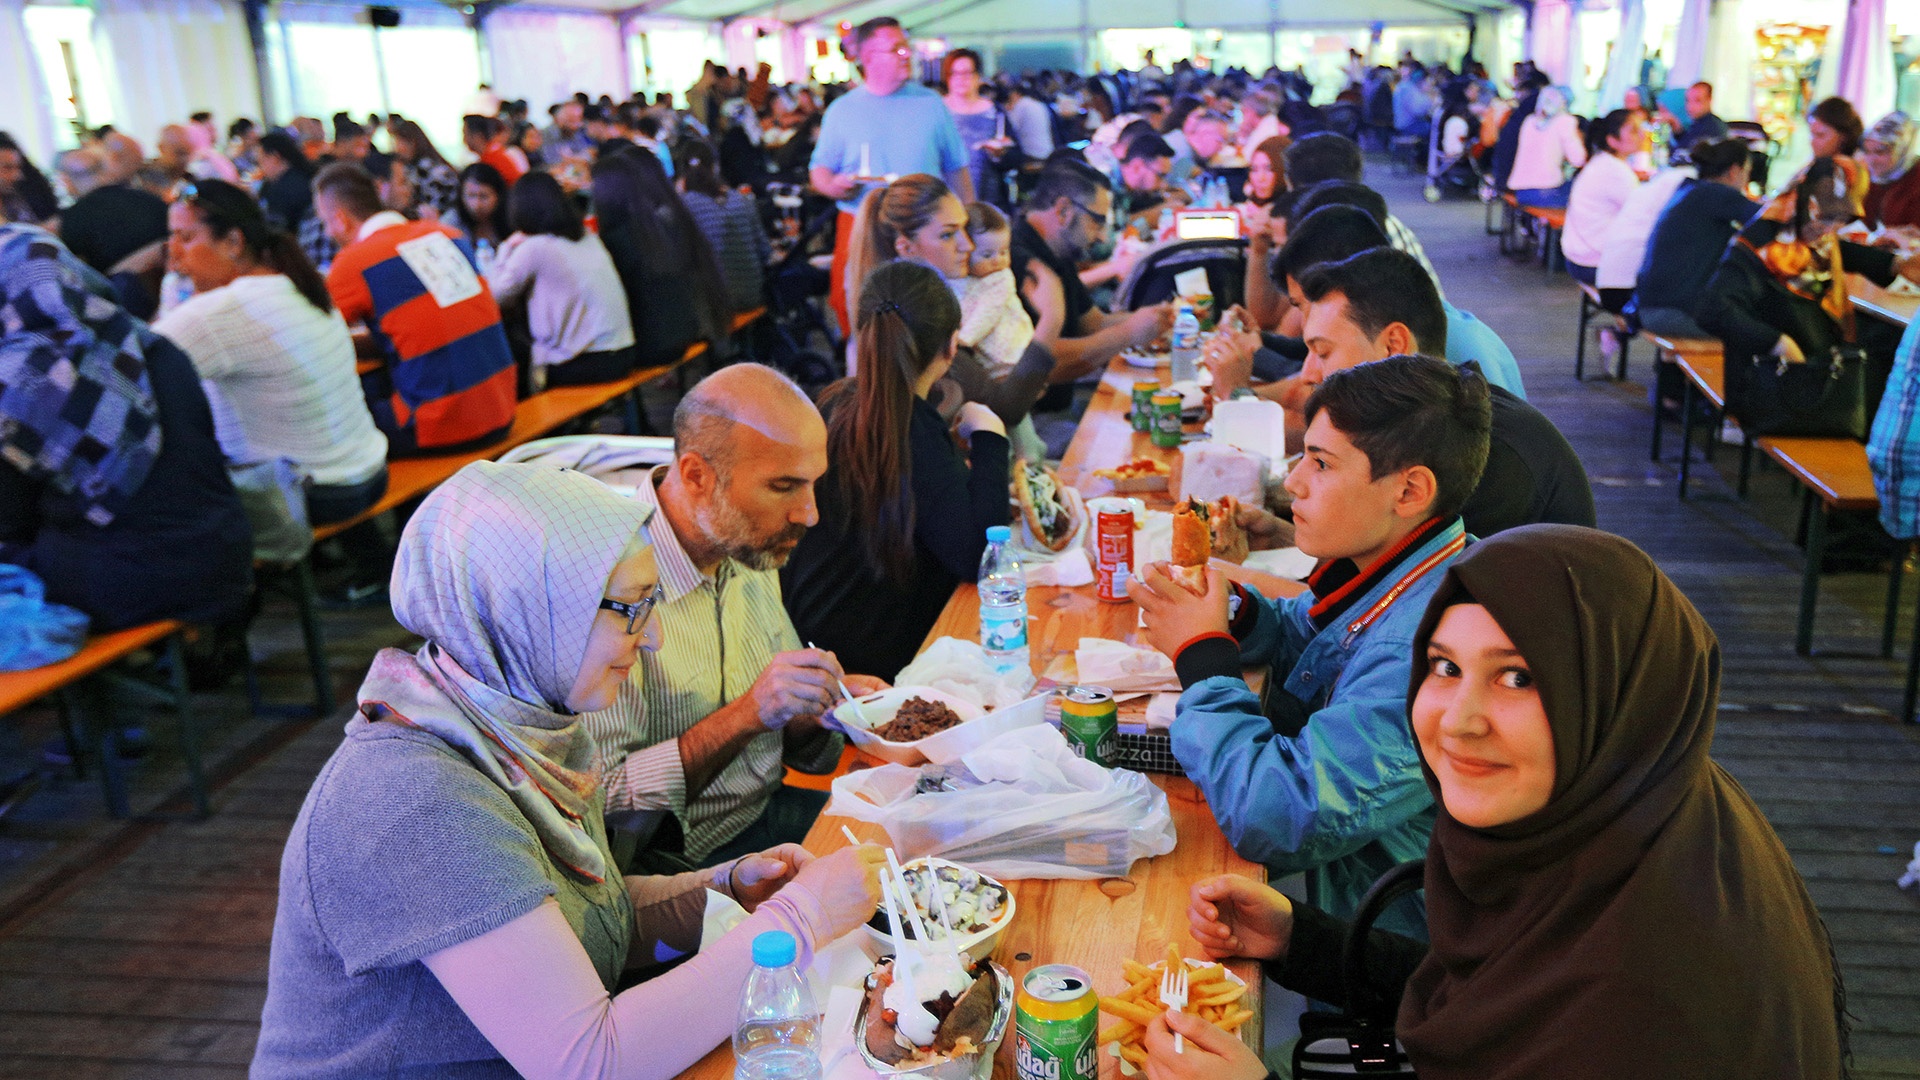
[(917, 719)]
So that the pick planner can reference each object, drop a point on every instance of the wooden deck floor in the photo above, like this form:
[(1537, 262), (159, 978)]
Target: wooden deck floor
[(150, 961)]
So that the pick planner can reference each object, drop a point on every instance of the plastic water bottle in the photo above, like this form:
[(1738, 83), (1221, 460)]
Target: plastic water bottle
[(483, 256), (1186, 344), (778, 1036), (1003, 603)]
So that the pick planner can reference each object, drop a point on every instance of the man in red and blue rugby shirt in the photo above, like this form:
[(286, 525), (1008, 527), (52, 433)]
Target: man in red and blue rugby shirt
[(448, 380), (1393, 450)]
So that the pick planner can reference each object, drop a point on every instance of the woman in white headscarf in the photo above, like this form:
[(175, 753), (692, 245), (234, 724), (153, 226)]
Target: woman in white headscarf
[(447, 900), (1549, 142), (1890, 150)]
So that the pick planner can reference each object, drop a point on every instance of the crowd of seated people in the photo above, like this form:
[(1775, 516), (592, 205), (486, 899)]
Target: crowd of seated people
[(666, 658)]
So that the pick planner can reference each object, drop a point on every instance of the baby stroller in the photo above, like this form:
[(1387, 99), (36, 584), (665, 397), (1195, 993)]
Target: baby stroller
[(1459, 172)]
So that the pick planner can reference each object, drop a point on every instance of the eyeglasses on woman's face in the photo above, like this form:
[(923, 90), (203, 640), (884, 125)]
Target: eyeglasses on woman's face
[(636, 614)]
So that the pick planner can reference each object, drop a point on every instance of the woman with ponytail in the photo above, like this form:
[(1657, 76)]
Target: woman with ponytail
[(903, 513), (276, 358)]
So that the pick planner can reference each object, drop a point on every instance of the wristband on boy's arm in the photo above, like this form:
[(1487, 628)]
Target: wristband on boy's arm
[(1241, 613), (1205, 656)]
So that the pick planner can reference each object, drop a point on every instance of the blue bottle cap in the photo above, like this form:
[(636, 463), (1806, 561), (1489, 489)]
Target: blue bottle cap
[(775, 948), (998, 534)]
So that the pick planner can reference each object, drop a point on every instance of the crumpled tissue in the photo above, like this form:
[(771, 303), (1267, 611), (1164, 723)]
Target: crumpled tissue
[(1122, 668)]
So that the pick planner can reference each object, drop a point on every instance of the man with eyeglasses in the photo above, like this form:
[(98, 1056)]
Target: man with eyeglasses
[(694, 751), (889, 126), (1069, 212)]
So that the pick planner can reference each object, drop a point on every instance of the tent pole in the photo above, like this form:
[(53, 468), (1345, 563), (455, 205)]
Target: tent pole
[(256, 13)]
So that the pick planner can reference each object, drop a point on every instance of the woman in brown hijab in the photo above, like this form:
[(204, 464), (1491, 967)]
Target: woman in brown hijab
[(1604, 900)]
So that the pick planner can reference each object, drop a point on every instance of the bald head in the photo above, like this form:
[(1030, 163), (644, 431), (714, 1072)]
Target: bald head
[(748, 449), (175, 147), (124, 155), (751, 396)]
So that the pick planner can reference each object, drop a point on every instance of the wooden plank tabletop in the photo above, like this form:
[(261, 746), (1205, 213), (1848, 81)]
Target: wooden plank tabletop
[(1091, 924), (1877, 301)]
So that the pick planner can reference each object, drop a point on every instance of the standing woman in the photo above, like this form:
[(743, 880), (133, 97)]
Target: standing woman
[(982, 125), (576, 307), (903, 513), (448, 904), (1604, 900), (675, 294), (263, 335), (421, 174)]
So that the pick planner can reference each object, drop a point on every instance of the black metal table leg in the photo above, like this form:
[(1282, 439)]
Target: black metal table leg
[(1810, 574), (1686, 433)]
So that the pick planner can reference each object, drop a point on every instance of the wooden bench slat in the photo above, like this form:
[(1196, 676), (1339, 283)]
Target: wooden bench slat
[(1708, 373), (18, 688), (1836, 470)]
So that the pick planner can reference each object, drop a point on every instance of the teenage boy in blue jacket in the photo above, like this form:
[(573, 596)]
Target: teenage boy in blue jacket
[(1393, 449)]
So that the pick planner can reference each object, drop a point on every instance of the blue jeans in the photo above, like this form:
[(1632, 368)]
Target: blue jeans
[(1585, 275), (328, 503), (1671, 322), (1544, 198)]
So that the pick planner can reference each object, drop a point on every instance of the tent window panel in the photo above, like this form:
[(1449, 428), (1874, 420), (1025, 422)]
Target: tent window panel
[(333, 69), (432, 74)]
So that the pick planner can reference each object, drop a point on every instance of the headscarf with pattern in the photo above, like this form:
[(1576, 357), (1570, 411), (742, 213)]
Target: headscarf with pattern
[(1895, 131), (1646, 921), (76, 402), (502, 570)]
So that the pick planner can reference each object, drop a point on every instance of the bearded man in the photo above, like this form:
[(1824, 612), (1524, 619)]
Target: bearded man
[(694, 751)]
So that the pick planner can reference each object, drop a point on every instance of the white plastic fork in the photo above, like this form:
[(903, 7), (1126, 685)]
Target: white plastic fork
[(1173, 995)]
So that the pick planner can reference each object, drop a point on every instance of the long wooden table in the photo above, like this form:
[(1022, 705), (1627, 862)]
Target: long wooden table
[(1874, 300), (1091, 924)]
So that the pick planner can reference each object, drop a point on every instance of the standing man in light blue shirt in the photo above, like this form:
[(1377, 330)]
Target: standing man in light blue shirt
[(888, 126)]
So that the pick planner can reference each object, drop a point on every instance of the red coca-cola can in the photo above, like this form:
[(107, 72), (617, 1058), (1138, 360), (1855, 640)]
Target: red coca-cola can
[(1113, 547)]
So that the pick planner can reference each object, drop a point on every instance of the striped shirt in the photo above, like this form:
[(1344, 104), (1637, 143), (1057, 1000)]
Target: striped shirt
[(415, 286), (280, 377), (1402, 239), (717, 635)]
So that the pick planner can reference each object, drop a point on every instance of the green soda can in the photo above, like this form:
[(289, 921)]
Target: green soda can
[(1166, 419), (1056, 1016), (1143, 405), (1091, 722)]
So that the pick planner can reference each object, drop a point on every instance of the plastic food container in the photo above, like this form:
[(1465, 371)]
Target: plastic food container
[(979, 945), (976, 1066)]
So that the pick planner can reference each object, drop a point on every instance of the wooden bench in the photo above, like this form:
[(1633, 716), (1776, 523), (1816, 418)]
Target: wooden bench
[(77, 679), (1702, 366), (1590, 306), (1552, 221), (1833, 475)]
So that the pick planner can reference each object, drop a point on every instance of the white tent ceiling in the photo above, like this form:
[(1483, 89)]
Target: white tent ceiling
[(973, 16)]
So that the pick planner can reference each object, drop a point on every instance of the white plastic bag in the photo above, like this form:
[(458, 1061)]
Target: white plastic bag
[(1022, 806), (959, 667)]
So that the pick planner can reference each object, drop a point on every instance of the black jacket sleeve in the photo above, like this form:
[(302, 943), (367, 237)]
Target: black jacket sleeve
[(1013, 395), (953, 504), (1313, 963)]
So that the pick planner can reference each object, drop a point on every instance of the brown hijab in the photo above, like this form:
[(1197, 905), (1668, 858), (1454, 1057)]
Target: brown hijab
[(1646, 922)]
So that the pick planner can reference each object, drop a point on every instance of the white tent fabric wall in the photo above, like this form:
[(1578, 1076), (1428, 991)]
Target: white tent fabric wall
[(544, 56), (1866, 60), (1553, 47), (1690, 43), (172, 58), (1629, 49), (1729, 60), (426, 69), (23, 93)]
